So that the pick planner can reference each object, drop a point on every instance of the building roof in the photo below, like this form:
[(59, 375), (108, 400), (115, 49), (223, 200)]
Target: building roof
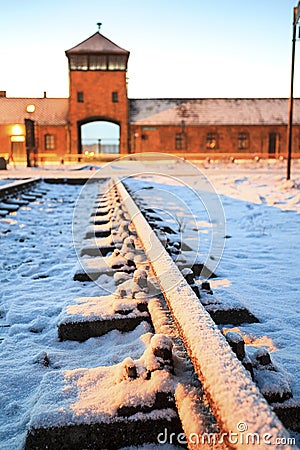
[(152, 112), (48, 111), (212, 111), (97, 43)]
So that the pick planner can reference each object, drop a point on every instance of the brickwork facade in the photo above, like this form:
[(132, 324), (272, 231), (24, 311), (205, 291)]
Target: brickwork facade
[(98, 95), (258, 140), (51, 141), (98, 92)]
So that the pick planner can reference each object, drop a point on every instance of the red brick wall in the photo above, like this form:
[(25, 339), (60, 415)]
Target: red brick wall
[(60, 137), (97, 88), (5, 133), (162, 139)]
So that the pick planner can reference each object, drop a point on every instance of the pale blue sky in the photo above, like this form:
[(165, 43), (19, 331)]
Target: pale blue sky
[(191, 48)]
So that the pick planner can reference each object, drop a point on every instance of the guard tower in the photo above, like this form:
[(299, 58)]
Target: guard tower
[(98, 87)]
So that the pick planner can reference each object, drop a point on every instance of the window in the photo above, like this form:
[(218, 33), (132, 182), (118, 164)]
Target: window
[(49, 142), (80, 97), (79, 62), (212, 141), (243, 141), (116, 62), (180, 141), (114, 97), (97, 62)]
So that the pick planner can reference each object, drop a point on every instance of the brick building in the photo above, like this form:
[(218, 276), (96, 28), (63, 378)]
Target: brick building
[(98, 93), (209, 126)]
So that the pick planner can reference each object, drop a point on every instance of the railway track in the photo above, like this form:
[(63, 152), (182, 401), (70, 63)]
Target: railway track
[(13, 196), (18, 193), (192, 387)]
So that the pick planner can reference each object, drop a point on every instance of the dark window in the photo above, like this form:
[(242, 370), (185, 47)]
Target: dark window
[(180, 141), (49, 142), (115, 97), (273, 143), (80, 97), (144, 137), (243, 141), (212, 141)]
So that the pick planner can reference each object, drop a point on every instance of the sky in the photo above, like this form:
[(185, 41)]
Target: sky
[(183, 49)]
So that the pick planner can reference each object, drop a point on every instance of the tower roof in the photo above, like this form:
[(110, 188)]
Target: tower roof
[(97, 43)]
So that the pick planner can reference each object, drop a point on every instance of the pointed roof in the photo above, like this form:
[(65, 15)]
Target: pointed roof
[(97, 43)]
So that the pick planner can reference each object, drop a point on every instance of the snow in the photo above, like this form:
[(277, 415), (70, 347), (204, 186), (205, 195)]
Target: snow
[(100, 308), (257, 264), (261, 248), (94, 395), (224, 378), (36, 285)]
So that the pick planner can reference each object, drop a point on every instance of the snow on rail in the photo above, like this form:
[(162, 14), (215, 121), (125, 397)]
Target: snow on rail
[(236, 400), (18, 185)]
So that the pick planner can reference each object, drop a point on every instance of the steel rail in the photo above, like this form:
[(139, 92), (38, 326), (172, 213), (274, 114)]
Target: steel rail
[(234, 397), (17, 186)]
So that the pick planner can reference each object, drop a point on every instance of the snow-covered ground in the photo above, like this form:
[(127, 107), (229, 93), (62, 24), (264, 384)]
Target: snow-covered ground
[(260, 262), (259, 265)]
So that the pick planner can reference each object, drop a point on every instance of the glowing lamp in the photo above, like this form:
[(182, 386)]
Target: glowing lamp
[(17, 130), (30, 108)]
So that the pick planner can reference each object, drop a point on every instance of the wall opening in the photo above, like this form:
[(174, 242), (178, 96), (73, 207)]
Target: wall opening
[(272, 144), (98, 137)]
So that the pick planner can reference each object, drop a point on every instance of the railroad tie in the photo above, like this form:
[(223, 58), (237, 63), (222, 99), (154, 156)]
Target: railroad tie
[(190, 381)]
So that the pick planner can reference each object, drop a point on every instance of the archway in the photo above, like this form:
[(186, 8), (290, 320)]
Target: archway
[(98, 136)]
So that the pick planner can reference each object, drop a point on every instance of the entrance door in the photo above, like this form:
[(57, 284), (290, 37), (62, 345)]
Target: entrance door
[(272, 144), (18, 150)]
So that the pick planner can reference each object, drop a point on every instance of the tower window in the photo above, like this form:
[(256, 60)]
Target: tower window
[(116, 62), (80, 97), (97, 62), (49, 142), (79, 62), (115, 97), (243, 141)]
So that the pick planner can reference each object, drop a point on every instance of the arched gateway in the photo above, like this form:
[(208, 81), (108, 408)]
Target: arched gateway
[(99, 135), (98, 88)]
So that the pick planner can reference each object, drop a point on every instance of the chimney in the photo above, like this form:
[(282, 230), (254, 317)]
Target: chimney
[(2, 94), (45, 94)]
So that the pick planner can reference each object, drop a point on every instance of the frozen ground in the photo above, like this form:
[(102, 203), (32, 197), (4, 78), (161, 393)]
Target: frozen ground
[(259, 265)]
